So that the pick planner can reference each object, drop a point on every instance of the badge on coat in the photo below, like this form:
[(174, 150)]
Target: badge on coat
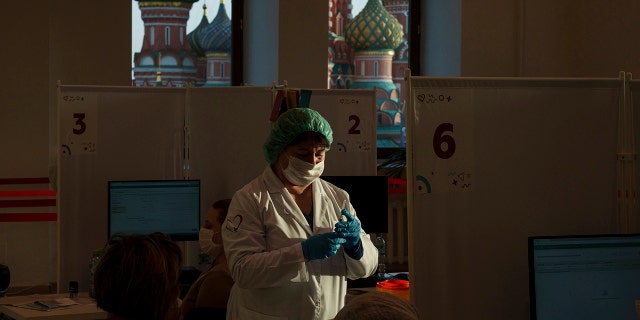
[(234, 223)]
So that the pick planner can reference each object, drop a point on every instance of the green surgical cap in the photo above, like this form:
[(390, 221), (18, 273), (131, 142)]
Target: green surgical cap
[(289, 125)]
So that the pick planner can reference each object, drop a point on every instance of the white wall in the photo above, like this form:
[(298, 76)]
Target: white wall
[(76, 42)]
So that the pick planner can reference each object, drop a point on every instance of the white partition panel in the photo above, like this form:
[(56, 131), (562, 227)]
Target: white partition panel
[(212, 134), (228, 128), (351, 114), (495, 161), (109, 133)]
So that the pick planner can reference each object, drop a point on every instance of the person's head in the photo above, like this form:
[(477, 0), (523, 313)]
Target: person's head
[(137, 276), (210, 236), (378, 306), (297, 145)]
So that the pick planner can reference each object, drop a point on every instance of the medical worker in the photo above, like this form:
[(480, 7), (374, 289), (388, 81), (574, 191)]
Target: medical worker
[(291, 238)]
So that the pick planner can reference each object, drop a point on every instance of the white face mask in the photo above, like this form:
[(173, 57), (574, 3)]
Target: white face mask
[(206, 243), (302, 173)]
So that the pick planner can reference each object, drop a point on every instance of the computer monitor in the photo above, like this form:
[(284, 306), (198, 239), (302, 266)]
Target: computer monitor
[(143, 207), (369, 196), (584, 277)]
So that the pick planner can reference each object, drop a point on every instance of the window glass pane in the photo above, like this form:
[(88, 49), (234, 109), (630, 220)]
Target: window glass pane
[(172, 61), (368, 48)]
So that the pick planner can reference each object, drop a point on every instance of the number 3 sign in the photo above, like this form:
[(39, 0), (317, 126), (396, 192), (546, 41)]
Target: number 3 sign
[(78, 123), (443, 140)]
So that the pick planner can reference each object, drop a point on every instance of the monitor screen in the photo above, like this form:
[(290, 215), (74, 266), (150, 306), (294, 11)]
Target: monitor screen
[(584, 277), (369, 196), (144, 207)]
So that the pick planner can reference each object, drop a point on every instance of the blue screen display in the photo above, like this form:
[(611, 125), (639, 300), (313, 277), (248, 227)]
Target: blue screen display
[(143, 207), (584, 277)]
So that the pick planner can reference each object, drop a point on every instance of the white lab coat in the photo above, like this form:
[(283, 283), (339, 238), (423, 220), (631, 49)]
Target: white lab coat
[(262, 239)]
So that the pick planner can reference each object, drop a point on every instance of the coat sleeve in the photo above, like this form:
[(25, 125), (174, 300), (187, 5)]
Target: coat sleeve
[(251, 264)]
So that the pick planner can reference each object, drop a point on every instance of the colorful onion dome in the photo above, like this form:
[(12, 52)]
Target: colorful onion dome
[(216, 37), (374, 29), (194, 36)]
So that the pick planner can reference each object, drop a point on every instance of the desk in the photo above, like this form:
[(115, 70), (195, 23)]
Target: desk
[(85, 310)]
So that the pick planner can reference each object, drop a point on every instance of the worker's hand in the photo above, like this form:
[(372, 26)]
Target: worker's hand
[(350, 231), (322, 246)]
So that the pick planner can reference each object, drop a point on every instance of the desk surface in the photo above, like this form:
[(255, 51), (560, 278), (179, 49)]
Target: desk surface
[(85, 310)]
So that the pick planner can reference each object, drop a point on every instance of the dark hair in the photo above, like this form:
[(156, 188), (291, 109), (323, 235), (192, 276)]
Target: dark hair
[(378, 305), (224, 206), (317, 136), (137, 276)]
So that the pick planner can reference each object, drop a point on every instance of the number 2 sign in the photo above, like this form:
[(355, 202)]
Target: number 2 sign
[(443, 140), (351, 118), (78, 123)]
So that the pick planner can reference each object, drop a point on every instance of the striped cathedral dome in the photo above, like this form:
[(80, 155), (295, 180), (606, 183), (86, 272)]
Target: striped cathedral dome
[(195, 36), (216, 37)]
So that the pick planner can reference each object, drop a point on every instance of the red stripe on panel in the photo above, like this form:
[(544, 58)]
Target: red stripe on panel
[(28, 217), (27, 203), (26, 193)]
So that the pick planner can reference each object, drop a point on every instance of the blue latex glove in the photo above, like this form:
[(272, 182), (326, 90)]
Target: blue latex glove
[(322, 246), (350, 231)]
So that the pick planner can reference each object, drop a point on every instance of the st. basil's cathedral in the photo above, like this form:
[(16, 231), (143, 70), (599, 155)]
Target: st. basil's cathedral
[(367, 51), (171, 57)]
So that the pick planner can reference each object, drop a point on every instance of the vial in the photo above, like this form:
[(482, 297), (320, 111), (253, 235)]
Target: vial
[(73, 289)]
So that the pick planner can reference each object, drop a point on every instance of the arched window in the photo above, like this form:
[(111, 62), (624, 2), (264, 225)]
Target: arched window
[(146, 61), (168, 61), (188, 62)]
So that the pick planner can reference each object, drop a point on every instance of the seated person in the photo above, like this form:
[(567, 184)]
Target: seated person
[(211, 290), (377, 306), (137, 278)]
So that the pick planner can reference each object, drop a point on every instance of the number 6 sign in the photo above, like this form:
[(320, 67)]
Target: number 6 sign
[(443, 140), (78, 123)]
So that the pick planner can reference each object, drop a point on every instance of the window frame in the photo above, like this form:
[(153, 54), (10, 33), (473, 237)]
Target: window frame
[(237, 43), (237, 52)]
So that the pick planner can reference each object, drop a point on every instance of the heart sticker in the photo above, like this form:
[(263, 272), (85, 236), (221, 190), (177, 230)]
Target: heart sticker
[(234, 223)]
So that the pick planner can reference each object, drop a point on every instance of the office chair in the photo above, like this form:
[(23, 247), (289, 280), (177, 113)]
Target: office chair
[(5, 279)]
